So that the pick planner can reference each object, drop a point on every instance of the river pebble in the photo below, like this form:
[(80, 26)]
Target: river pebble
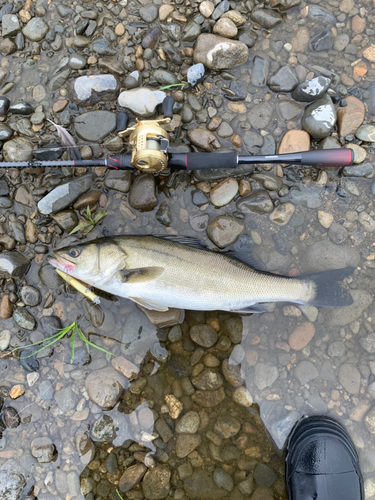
[(224, 230)]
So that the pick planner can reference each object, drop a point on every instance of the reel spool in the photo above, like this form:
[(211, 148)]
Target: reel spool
[(148, 140), (149, 144)]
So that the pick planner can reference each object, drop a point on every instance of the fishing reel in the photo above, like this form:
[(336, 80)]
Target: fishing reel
[(148, 140)]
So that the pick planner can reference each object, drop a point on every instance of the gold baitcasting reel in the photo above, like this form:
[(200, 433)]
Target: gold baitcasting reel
[(148, 140)]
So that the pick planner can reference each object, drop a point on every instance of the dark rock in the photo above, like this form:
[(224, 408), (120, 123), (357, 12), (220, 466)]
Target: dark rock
[(191, 31), (151, 38), (28, 360), (311, 90), (266, 18), (103, 47), (24, 319), (362, 170), (201, 485), (23, 108), (319, 117), (94, 126), (148, 13), (59, 80), (50, 152), (4, 105), (259, 73), (131, 477), (66, 219), (165, 77), (11, 417), (132, 80), (163, 214), (199, 198), (264, 475), (50, 324), (320, 16), (49, 277), (248, 37), (258, 202), (306, 196), (323, 40), (89, 90), (4, 188), (220, 9), (13, 264), (337, 233), (64, 195), (283, 80), (142, 194)]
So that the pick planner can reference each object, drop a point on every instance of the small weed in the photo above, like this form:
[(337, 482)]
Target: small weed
[(173, 85), (74, 329), (117, 491), (89, 224)]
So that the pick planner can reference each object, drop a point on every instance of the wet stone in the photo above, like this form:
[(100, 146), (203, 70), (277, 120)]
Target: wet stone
[(222, 479), (224, 192), (337, 233), (43, 449), (163, 214), (30, 295), (260, 71), (188, 423), (201, 484), (24, 319), (120, 180), (203, 139), (77, 61), (336, 349), (224, 230), (265, 375), (103, 47), (350, 117), (36, 29), (195, 74), (368, 343), (322, 40), (18, 149), (66, 219), (151, 38), (103, 429), (186, 443), (155, 484), (4, 339), (141, 101), (268, 181), (217, 52), (131, 477), (266, 18), (12, 481), (132, 80), (5, 132), (305, 371), (365, 170), (88, 90), (350, 378), (4, 105), (142, 195), (95, 126), (11, 417), (264, 475), (105, 386), (28, 361), (283, 80), (258, 202), (207, 380), (66, 399), (203, 335), (283, 213), (306, 196), (311, 90), (209, 399), (64, 195), (319, 118), (260, 115), (46, 390), (320, 15), (199, 222)]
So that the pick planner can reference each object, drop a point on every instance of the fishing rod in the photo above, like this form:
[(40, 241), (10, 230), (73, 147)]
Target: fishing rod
[(150, 142)]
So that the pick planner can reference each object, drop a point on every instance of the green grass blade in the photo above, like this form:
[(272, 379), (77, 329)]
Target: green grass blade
[(117, 491), (44, 347), (173, 85), (80, 226), (37, 343), (72, 358), (91, 343), (88, 213)]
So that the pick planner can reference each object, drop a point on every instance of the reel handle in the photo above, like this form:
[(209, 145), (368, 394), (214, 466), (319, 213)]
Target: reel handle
[(122, 119), (167, 105)]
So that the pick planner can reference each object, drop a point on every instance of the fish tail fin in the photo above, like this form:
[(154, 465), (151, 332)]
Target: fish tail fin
[(329, 292)]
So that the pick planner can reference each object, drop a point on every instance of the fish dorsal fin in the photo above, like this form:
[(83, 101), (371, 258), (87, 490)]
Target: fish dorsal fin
[(141, 275), (185, 240), (150, 304)]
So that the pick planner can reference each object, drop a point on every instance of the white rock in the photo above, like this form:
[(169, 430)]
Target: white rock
[(141, 101), (4, 340)]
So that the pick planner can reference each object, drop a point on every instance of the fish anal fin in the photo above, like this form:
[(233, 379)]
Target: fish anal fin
[(150, 304), (140, 275), (255, 309)]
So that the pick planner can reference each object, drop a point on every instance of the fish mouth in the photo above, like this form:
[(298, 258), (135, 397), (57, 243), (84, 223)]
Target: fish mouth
[(60, 263)]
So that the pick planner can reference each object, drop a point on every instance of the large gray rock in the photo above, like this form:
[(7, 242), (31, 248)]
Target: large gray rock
[(141, 101), (36, 29), (324, 255), (342, 316), (319, 118), (18, 149), (13, 264), (105, 386), (94, 126), (217, 52), (88, 90), (12, 481), (66, 194)]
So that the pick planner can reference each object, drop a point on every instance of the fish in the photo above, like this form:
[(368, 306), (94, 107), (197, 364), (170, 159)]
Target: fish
[(159, 273)]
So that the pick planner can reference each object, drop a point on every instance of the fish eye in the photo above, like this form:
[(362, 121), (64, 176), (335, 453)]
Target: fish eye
[(74, 252)]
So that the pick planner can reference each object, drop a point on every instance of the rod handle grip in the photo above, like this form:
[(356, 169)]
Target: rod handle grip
[(119, 162), (328, 157), (202, 161)]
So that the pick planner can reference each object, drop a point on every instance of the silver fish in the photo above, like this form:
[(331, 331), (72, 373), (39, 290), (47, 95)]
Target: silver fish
[(159, 273)]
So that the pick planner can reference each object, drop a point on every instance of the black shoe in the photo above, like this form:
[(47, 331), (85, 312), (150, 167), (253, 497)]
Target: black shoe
[(322, 463)]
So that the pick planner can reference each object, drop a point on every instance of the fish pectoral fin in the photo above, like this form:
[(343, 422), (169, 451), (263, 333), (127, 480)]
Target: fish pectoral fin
[(255, 309), (150, 304), (140, 275)]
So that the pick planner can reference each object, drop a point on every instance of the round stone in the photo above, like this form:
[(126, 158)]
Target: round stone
[(224, 230), (36, 29), (301, 336), (189, 423), (224, 192), (203, 335)]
